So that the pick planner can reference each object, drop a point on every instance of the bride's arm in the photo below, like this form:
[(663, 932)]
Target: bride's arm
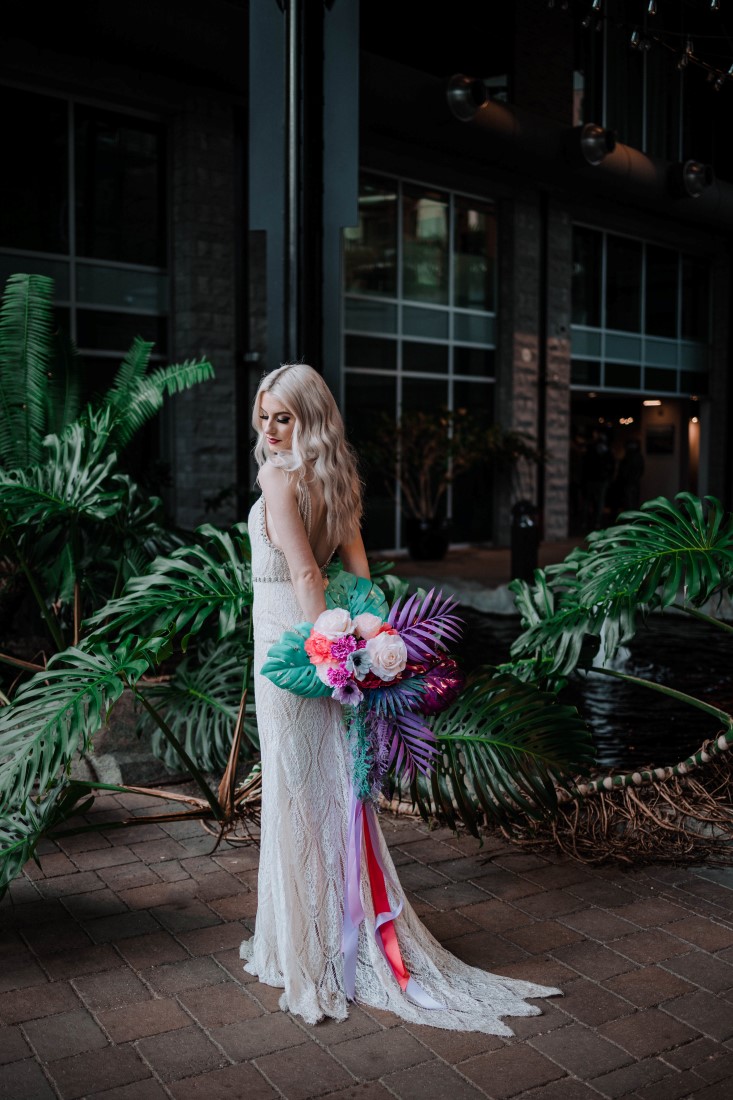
[(282, 506), (353, 557)]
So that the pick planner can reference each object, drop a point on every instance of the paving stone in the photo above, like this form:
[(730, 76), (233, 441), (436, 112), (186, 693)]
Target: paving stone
[(88, 961), (183, 1053), (31, 1003), (214, 1005), (154, 894), (647, 1032), (232, 1083), (652, 912), (549, 903), (79, 882), (607, 895), (104, 857), (99, 903), (111, 989), (127, 876), (52, 864), (152, 950), (593, 960), (702, 969), (184, 917), (514, 1069), (649, 986), (65, 1034), (540, 971), (173, 977), (171, 870), (31, 914), (591, 1003), (138, 1021), (62, 937), (719, 1091), (597, 924), (673, 1087), (650, 947), (494, 915), (362, 1090), (329, 1031), (703, 933), (205, 941), (508, 887), (429, 851), (550, 1019), (565, 1089), (135, 834), (542, 936), (236, 907), (462, 869), (25, 1081), (581, 1051), (445, 894), (304, 1071), (433, 1081), (234, 966), (484, 949), (381, 1053), (20, 976), (705, 1012), (219, 885), (96, 1071), (690, 1054), (13, 1046), (446, 926), (622, 1081), (716, 1067), (120, 926), (259, 1036), (149, 1089), (83, 842)]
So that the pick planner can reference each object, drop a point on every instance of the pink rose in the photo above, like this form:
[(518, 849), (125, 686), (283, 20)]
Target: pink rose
[(387, 654), (334, 623), (366, 625)]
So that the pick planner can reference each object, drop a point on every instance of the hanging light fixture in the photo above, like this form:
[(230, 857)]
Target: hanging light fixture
[(689, 179), (635, 41), (685, 58), (652, 9), (466, 96)]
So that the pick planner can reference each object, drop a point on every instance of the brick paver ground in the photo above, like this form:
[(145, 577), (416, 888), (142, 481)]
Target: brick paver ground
[(120, 977)]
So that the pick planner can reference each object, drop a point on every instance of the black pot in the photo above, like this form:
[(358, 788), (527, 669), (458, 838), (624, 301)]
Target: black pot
[(427, 539)]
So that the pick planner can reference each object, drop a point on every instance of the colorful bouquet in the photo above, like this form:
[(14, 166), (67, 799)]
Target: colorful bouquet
[(389, 672), (389, 669)]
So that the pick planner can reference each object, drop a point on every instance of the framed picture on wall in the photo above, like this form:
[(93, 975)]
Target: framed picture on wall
[(660, 439)]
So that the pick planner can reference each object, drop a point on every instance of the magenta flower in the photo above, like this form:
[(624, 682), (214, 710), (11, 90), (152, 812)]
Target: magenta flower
[(342, 647), (337, 677)]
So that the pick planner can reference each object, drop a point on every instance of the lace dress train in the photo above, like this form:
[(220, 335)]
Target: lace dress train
[(305, 800)]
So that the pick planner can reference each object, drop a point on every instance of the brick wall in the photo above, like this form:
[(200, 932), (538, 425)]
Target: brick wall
[(557, 380)]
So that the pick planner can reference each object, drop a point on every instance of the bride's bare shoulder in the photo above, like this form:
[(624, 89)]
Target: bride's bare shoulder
[(273, 478)]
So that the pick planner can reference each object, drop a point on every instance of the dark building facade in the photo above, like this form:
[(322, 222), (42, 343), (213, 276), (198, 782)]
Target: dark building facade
[(272, 181)]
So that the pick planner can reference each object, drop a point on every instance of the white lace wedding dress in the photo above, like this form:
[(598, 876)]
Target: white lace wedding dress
[(305, 800)]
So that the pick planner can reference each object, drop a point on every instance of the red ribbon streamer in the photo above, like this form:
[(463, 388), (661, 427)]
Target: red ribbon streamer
[(381, 905)]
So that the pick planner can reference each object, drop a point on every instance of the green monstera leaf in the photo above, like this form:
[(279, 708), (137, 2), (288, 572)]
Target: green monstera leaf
[(289, 667), (356, 595)]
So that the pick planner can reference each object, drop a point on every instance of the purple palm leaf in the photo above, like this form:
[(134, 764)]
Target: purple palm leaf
[(413, 745), (423, 625), (395, 699)]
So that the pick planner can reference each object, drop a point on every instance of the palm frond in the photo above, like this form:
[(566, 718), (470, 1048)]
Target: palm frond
[(26, 325), (143, 397), (423, 622), (57, 712), (129, 374), (63, 394), (200, 704), (181, 592), (413, 747), (503, 745)]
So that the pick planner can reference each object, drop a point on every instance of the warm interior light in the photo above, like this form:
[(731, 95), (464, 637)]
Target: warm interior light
[(626, 420), (652, 401), (593, 395), (693, 420)]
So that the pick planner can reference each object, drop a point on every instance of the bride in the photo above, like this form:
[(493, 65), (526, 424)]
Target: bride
[(310, 508)]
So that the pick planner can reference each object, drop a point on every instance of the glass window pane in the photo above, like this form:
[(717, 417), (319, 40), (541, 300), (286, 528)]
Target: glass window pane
[(695, 299), (424, 395), (425, 245), (58, 270), (366, 315), (623, 284), (370, 249), (107, 331), (425, 357), (34, 213), (472, 490), (661, 381), (622, 375), (693, 382), (371, 352), (476, 361), (120, 188), (368, 397), (661, 291), (110, 286), (431, 323), (585, 373), (475, 254), (587, 270), (474, 328)]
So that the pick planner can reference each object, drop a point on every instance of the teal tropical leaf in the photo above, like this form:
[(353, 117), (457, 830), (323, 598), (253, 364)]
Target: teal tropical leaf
[(289, 667), (26, 325), (356, 595)]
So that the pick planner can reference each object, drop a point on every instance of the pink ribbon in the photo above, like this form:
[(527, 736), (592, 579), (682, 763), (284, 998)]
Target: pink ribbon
[(362, 821)]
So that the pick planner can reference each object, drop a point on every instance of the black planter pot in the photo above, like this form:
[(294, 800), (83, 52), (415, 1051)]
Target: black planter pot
[(427, 539)]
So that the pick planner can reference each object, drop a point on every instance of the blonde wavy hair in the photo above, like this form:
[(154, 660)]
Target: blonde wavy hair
[(319, 440)]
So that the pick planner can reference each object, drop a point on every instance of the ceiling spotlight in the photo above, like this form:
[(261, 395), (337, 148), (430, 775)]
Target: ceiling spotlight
[(466, 96), (651, 401), (689, 180), (596, 142), (635, 39), (652, 9)]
